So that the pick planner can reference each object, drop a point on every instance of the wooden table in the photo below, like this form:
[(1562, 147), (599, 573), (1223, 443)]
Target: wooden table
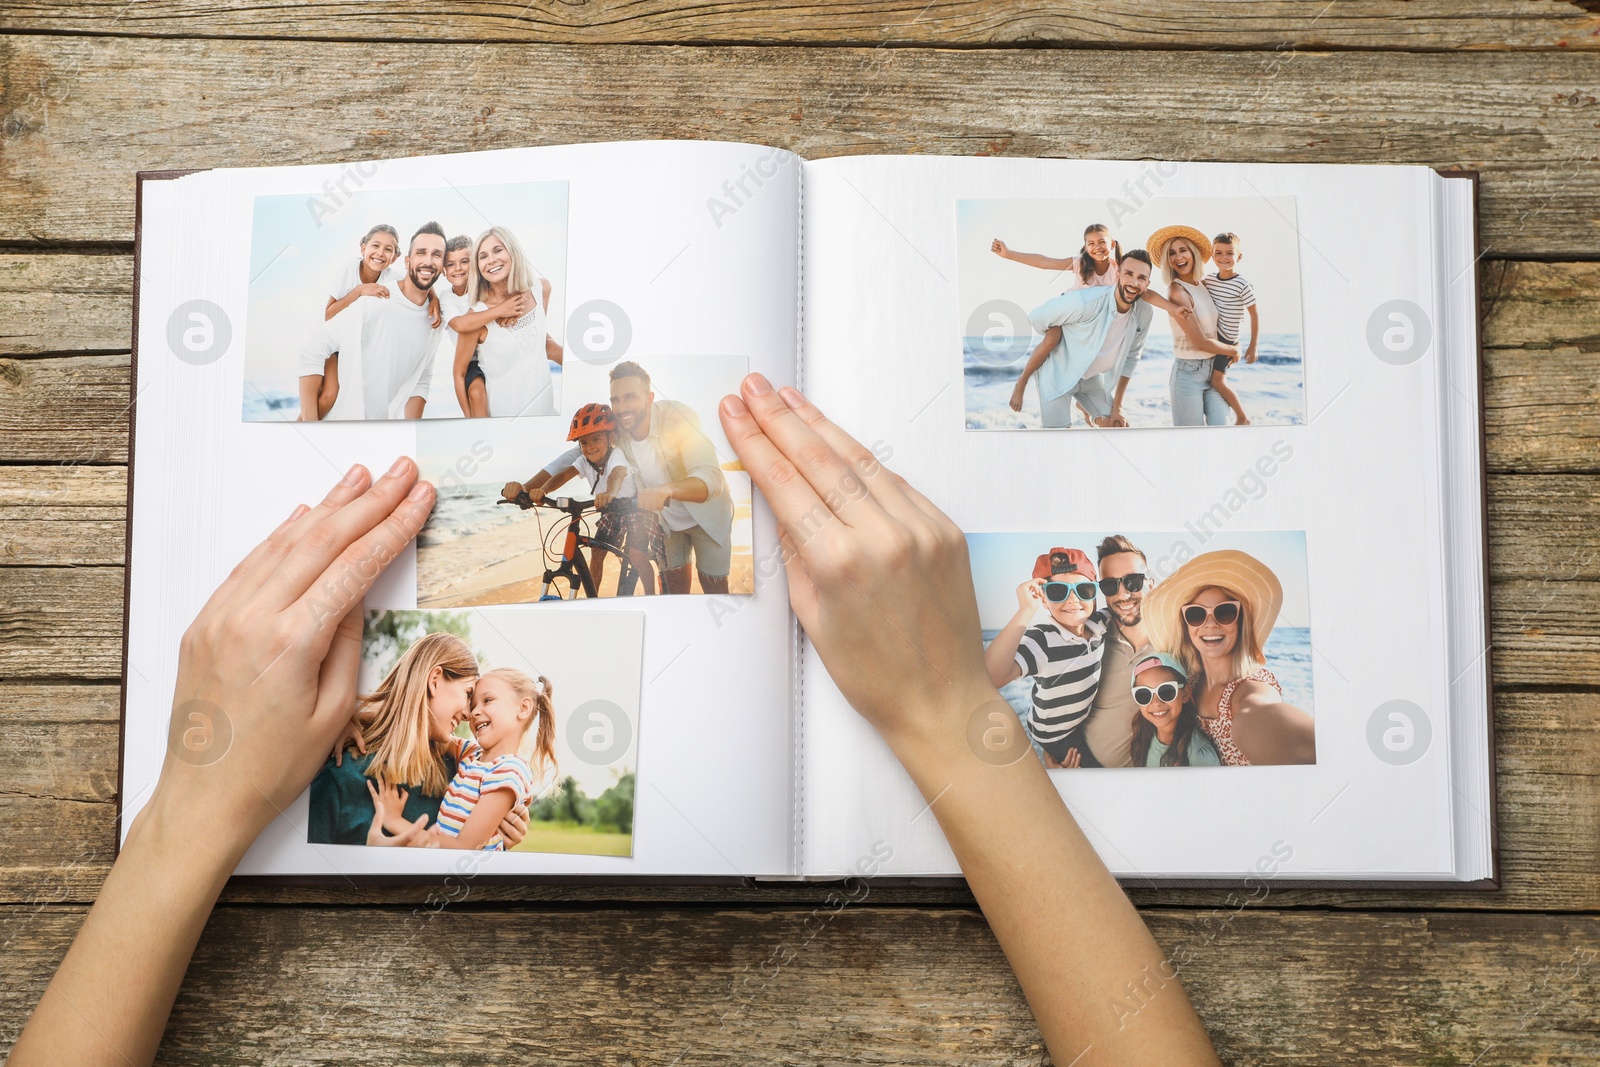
[(93, 92)]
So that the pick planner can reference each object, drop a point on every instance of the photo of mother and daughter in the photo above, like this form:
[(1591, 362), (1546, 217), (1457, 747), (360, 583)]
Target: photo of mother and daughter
[(1168, 675), (401, 777)]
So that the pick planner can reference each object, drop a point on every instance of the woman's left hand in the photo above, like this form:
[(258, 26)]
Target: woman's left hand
[(267, 670)]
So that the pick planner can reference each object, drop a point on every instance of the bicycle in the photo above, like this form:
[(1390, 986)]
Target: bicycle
[(573, 565)]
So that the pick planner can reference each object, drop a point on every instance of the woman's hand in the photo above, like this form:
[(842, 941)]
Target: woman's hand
[(878, 576), (267, 670)]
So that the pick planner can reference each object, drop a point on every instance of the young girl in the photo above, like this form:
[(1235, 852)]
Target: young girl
[(491, 777), (602, 464), (1095, 264), (1166, 732)]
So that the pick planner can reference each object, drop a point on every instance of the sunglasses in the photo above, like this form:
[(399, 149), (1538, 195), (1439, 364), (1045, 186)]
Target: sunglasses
[(1226, 613), (1166, 692), (1131, 582), (1056, 592)]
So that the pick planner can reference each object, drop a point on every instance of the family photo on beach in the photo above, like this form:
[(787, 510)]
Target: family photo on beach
[(459, 738), (637, 494), (1148, 650), (407, 304), (1110, 314)]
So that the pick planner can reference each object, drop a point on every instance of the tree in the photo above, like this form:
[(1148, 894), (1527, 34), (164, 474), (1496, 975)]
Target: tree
[(613, 809), (387, 634)]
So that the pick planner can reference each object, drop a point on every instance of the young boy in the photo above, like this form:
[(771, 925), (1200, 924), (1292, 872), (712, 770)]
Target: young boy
[(603, 465), (1061, 654), (1233, 296)]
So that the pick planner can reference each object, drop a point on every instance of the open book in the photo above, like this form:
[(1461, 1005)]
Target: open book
[(1247, 651)]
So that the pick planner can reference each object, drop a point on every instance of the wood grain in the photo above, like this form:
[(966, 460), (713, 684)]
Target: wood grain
[(84, 113), (58, 756), (72, 515), (65, 303), (890, 985), (1420, 25)]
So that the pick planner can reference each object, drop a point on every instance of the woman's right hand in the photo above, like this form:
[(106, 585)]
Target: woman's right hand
[(878, 576)]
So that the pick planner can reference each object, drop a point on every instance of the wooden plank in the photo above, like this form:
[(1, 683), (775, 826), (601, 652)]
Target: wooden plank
[(65, 303), (58, 759), (853, 984), (91, 111), (62, 515), (65, 411), (1540, 305), (1420, 25)]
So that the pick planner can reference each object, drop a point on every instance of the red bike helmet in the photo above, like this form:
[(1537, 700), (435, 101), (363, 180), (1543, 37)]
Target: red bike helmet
[(591, 418)]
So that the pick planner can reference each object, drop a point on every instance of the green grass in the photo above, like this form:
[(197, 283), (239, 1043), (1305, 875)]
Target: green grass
[(572, 839)]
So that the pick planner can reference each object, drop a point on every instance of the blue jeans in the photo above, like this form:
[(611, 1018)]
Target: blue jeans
[(1056, 413), (1194, 402)]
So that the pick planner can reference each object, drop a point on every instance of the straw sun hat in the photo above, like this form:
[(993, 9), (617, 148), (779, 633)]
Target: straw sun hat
[(1157, 245), (1240, 573)]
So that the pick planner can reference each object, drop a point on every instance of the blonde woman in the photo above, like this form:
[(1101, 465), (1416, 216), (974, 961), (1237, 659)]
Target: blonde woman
[(404, 736), (514, 351), (1215, 614), (1181, 253)]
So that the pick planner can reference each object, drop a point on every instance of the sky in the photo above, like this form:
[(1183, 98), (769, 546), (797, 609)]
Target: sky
[(295, 252), (1054, 227), (1002, 561)]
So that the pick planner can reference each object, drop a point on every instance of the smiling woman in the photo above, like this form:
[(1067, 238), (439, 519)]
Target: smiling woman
[(514, 350)]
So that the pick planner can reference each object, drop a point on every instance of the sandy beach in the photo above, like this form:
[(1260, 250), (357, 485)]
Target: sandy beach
[(505, 564)]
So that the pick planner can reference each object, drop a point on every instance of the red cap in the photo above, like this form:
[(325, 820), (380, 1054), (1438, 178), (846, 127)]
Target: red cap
[(1042, 567)]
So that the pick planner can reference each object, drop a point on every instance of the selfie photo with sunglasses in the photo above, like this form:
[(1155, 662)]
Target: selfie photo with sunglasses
[(1137, 650)]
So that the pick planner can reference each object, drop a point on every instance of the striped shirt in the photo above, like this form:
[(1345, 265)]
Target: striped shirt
[(1065, 669), (476, 776), (1232, 296)]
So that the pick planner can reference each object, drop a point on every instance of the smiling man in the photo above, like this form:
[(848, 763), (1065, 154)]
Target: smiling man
[(679, 478), (385, 346)]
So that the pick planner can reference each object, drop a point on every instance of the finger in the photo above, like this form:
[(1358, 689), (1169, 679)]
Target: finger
[(861, 460), (372, 790), (793, 501), (336, 682), (265, 559), (830, 477), (338, 563)]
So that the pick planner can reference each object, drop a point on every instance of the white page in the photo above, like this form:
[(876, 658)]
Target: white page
[(645, 232), (882, 355)]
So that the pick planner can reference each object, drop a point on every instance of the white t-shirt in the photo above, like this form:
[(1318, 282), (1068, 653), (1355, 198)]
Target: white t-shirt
[(652, 472), (442, 404), (1106, 358), (385, 356), (348, 276), (598, 480)]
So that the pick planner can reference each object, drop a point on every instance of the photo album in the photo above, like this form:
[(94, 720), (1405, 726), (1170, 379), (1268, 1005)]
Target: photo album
[(1214, 431)]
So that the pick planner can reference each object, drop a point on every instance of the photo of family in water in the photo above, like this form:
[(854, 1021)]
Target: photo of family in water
[(488, 731), (1150, 650), (1111, 313), (405, 304), (637, 494)]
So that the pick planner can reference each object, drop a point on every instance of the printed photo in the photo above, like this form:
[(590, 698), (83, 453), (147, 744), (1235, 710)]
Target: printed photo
[(407, 303), (1137, 649), (492, 731), (1110, 312), (636, 494)]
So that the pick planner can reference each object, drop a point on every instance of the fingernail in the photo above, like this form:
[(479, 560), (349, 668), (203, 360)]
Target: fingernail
[(792, 397), (299, 510), (398, 468), (352, 476), (420, 491), (734, 407), (757, 385)]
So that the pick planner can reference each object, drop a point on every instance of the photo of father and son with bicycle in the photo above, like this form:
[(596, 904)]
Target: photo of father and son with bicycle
[(1108, 666), (636, 494)]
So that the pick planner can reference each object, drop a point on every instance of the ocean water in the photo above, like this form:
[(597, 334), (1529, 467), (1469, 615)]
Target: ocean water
[(463, 510), (1288, 658), (264, 403), (1272, 389)]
